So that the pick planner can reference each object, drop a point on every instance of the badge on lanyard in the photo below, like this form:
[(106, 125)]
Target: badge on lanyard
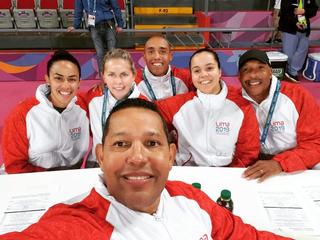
[(91, 20)]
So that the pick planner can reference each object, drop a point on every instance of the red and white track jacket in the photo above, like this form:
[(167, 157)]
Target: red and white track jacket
[(294, 133), (36, 137), (184, 213), (94, 99), (161, 86), (213, 130)]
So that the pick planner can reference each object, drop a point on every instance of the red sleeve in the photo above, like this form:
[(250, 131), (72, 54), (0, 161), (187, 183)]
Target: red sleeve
[(225, 225), (248, 143), (143, 97), (185, 76), (170, 106), (138, 78), (82, 102), (307, 152), (15, 143), (94, 91), (84, 220)]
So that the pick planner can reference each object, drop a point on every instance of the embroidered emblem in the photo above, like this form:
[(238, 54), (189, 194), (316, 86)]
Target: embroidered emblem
[(277, 127), (75, 133), (204, 237), (222, 128)]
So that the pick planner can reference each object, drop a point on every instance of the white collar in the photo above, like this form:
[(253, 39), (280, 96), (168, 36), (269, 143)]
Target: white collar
[(270, 95), (112, 100), (42, 96), (155, 79), (102, 190), (214, 101)]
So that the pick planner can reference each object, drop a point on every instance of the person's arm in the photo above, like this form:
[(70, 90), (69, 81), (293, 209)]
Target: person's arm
[(170, 106), (248, 144), (287, 13), (82, 101), (15, 143), (306, 154), (185, 76), (117, 13), (311, 10), (84, 220), (78, 13)]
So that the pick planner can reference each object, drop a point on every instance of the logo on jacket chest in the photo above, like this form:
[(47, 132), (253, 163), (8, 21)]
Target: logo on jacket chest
[(75, 133), (277, 127), (222, 128), (204, 237)]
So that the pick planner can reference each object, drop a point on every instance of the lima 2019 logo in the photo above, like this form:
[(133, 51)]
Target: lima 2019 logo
[(277, 127), (75, 133), (222, 128)]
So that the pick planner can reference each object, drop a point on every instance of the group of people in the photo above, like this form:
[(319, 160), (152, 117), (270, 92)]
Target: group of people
[(211, 123), (133, 198), (142, 122)]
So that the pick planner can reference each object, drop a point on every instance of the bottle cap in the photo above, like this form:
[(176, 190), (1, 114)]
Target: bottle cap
[(225, 194), (196, 185)]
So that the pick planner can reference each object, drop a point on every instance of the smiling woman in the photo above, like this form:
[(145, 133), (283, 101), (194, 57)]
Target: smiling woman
[(51, 130), (64, 80), (215, 125), (118, 84)]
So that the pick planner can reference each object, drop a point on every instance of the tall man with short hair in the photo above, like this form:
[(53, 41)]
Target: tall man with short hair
[(158, 79)]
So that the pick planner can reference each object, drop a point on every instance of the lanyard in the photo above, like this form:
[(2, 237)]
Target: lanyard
[(300, 3), (153, 96), (94, 6), (270, 113), (105, 103), (104, 108)]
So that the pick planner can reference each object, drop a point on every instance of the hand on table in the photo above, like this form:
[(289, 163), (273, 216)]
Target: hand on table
[(262, 169)]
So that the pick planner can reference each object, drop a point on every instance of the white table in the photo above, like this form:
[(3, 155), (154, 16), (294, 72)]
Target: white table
[(253, 202)]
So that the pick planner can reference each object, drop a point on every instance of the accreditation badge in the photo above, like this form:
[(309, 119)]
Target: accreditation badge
[(91, 20)]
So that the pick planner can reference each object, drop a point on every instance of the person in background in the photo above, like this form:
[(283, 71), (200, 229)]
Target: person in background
[(118, 84), (51, 130), (294, 24), (276, 34), (288, 119), (158, 79), (215, 126), (101, 15), (133, 198)]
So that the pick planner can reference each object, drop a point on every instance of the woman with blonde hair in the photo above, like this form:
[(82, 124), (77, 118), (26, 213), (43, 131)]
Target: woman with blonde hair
[(118, 84)]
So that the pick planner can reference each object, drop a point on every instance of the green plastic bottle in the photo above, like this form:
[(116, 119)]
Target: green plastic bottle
[(301, 18), (196, 185), (225, 200)]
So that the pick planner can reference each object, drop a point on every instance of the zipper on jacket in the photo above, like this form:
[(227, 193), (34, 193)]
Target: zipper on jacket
[(159, 219), (59, 131)]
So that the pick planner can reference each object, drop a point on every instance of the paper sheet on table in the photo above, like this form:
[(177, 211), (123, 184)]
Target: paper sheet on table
[(288, 214), (313, 192), (26, 208)]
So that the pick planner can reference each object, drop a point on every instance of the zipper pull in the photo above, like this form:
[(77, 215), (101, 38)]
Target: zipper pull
[(156, 217)]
